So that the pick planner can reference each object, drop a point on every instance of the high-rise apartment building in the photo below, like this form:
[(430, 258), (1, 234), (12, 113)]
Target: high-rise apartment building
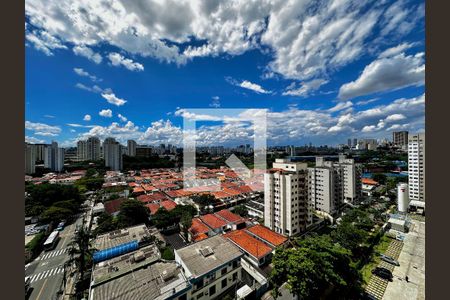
[(112, 154), (416, 166), (349, 143), (131, 148), (54, 157), (89, 149), (331, 184), (400, 138), (286, 207), (30, 159), (93, 148)]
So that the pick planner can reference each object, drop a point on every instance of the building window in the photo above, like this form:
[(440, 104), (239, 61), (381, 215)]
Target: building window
[(224, 283), (224, 271), (235, 264), (200, 295), (235, 275), (212, 290)]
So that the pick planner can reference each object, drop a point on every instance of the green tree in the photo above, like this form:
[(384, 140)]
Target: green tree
[(315, 266), (55, 214), (105, 223), (204, 200), (241, 210), (186, 223), (132, 212), (380, 178), (81, 251), (350, 237)]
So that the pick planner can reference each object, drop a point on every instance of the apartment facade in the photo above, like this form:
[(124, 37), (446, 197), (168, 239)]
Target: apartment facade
[(112, 154), (331, 184), (54, 157), (30, 159), (286, 207), (400, 138), (131, 148), (416, 166)]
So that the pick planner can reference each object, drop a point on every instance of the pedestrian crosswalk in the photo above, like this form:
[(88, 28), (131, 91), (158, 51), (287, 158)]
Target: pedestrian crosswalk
[(45, 274), (51, 254)]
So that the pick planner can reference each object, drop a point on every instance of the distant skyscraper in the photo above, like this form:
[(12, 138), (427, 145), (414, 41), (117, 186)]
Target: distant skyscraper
[(54, 157), (112, 154), (286, 207), (131, 148), (349, 143), (416, 166), (400, 138), (30, 159), (355, 142)]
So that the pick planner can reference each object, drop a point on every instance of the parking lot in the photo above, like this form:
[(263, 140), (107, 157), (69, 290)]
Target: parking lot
[(377, 285)]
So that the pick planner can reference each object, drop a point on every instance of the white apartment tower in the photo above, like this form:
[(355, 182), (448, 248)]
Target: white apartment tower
[(30, 159), (286, 207), (131, 148), (54, 157), (331, 184), (88, 149), (112, 154), (416, 166)]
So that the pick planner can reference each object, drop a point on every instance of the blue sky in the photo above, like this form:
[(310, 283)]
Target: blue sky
[(325, 70)]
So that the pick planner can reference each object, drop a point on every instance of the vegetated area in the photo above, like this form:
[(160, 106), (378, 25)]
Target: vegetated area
[(335, 262), (52, 202)]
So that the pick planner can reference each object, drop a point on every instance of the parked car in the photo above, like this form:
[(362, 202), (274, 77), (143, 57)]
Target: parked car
[(383, 273), (390, 260)]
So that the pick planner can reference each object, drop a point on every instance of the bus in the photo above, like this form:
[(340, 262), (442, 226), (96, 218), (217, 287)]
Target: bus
[(51, 241)]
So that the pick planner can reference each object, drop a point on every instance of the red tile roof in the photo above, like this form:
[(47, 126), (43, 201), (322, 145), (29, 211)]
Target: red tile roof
[(248, 243), (268, 235), (168, 204), (113, 205), (369, 181), (153, 208), (198, 227), (155, 197), (229, 216), (200, 237), (213, 221)]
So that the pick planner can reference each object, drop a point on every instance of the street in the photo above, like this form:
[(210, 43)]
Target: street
[(47, 270)]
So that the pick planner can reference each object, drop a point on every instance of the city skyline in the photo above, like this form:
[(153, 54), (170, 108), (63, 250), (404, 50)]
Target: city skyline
[(327, 73)]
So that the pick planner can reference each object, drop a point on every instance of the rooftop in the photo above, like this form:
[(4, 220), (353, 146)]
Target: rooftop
[(168, 204), (208, 254), (248, 243), (157, 281), (119, 237), (123, 264), (213, 221), (229, 216), (198, 227), (267, 235)]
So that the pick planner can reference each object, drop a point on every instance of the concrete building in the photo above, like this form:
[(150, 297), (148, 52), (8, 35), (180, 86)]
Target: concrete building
[(140, 274), (112, 154), (400, 139), (39, 151), (212, 266), (54, 157), (286, 207), (144, 151), (30, 159), (131, 148), (81, 150), (416, 166), (331, 184)]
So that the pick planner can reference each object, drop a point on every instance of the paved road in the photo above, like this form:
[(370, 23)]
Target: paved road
[(46, 271)]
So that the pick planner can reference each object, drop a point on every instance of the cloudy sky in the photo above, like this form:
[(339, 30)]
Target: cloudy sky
[(325, 70)]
